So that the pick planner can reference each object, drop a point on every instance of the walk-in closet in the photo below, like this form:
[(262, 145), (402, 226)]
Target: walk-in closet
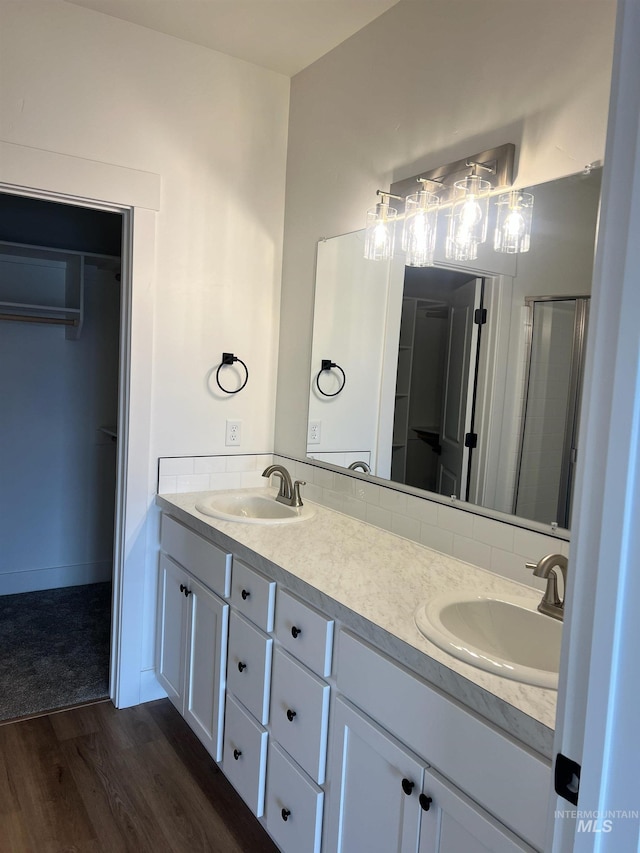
[(59, 390)]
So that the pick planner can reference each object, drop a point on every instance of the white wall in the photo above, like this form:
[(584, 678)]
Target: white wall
[(215, 129), (425, 84), (349, 328), (78, 82)]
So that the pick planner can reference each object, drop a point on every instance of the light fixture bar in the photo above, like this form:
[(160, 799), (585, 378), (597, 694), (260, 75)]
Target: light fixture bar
[(501, 159)]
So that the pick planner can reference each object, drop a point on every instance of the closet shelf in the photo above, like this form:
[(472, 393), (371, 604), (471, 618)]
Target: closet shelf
[(111, 431), (42, 285)]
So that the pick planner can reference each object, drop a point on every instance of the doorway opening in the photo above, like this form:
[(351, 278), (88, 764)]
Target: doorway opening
[(436, 380), (60, 329)]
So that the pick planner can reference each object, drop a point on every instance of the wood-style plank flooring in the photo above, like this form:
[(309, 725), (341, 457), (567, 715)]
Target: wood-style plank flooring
[(98, 780)]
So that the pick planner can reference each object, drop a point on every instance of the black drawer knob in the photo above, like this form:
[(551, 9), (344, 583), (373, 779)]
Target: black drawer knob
[(290, 715), (184, 589), (295, 632), (241, 666), (237, 753), (285, 814), (408, 786), (425, 802), (245, 594)]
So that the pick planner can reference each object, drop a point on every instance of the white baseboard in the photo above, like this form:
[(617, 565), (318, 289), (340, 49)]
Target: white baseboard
[(150, 688), (54, 577)]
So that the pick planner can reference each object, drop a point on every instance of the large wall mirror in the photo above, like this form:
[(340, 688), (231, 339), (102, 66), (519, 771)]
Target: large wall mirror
[(460, 381)]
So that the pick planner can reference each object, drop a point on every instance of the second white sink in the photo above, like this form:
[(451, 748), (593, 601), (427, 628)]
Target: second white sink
[(502, 634), (252, 507)]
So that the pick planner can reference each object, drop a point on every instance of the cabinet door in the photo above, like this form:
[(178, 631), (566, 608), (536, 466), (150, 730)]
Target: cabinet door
[(452, 823), (206, 666), (374, 789), (172, 612)]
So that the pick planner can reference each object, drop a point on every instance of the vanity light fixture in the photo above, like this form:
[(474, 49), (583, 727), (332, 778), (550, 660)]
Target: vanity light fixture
[(513, 226), (469, 216), (380, 234), (420, 225), (465, 189)]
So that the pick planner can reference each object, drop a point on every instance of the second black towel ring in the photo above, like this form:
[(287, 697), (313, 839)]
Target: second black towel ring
[(229, 358), (327, 364)]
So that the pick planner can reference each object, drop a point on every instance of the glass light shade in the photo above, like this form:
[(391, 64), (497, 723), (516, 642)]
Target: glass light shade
[(380, 234), (419, 232), (469, 219), (513, 226)]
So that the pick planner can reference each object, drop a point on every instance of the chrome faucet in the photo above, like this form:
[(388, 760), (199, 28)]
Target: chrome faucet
[(551, 604), (289, 493), (355, 465)]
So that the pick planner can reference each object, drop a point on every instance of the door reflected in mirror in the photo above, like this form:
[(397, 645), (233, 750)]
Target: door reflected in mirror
[(460, 381)]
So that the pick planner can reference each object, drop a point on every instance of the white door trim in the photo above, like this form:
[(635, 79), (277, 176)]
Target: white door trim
[(64, 178), (597, 723)]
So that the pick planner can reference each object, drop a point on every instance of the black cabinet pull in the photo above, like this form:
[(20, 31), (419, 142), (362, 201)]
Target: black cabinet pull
[(290, 715), (237, 753), (425, 802), (408, 786), (285, 814), (241, 666), (245, 594), (184, 589), (295, 632)]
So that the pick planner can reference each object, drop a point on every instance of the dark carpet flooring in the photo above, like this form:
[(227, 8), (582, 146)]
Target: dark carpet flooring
[(54, 648)]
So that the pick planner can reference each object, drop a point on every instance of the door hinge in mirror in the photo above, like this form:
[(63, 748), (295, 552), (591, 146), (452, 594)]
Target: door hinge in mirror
[(471, 440)]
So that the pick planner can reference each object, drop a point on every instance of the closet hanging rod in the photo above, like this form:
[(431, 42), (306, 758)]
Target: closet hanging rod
[(24, 318)]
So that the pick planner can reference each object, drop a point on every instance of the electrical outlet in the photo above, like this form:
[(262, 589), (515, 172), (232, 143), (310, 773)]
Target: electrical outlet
[(313, 436), (233, 433)]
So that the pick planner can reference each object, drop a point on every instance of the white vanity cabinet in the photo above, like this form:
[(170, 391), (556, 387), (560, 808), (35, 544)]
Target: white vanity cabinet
[(298, 725), (250, 650), (387, 800), (191, 646), (471, 789), (373, 802), (335, 747), (450, 823)]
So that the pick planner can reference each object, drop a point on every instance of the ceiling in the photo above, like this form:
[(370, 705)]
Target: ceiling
[(282, 35)]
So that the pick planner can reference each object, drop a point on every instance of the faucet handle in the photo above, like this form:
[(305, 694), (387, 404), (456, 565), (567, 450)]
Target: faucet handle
[(531, 566), (296, 500)]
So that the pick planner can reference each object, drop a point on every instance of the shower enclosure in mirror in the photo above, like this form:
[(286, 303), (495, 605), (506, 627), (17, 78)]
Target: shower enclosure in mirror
[(557, 329), (461, 381)]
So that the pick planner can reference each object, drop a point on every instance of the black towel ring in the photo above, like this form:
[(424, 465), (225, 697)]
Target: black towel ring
[(327, 364), (229, 358)]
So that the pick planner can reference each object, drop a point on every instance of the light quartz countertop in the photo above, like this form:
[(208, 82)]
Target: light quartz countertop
[(372, 581)]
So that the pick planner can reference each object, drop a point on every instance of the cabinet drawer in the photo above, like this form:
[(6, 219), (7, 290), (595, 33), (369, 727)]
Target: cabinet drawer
[(210, 564), (249, 666), (244, 758), (294, 805), (254, 595), (305, 632), (300, 713), (510, 781)]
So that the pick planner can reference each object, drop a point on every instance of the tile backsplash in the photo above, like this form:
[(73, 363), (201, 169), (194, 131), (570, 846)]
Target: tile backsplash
[(179, 474), (498, 546)]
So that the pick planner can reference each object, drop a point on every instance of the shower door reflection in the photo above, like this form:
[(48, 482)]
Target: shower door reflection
[(549, 439)]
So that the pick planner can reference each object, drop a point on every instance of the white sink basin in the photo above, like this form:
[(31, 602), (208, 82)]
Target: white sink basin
[(504, 635), (255, 507)]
